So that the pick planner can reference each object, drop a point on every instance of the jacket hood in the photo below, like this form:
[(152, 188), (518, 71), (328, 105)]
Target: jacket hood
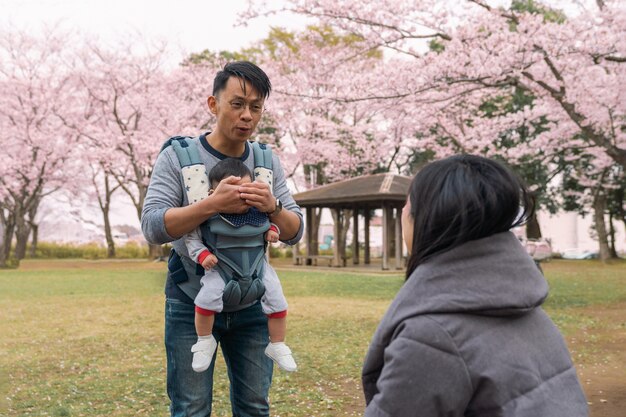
[(491, 276)]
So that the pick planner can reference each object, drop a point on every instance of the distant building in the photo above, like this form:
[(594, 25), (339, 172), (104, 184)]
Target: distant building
[(568, 230)]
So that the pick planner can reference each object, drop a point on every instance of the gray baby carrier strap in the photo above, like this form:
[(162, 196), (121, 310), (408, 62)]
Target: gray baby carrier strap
[(239, 250)]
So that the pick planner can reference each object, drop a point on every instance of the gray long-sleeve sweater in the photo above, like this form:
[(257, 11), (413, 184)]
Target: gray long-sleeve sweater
[(466, 336), (167, 190)]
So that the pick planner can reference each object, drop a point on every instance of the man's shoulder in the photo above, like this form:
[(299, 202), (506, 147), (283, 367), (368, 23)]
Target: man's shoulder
[(194, 139), (168, 149), (166, 145), (189, 139)]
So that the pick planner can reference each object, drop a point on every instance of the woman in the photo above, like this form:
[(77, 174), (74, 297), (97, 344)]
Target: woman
[(466, 335)]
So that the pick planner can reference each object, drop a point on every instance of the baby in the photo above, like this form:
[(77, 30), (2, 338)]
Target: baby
[(209, 300)]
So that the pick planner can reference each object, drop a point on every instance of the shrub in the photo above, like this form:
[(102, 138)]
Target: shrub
[(52, 250), (281, 251), (132, 250)]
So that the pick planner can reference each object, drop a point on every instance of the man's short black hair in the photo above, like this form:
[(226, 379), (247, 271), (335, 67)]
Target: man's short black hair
[(244, 70), (226, 168)]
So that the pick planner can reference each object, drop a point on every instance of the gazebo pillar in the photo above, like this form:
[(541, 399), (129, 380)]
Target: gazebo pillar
[(398, 238), (366, 228), (385, 237), (337, 233), (355, 236)]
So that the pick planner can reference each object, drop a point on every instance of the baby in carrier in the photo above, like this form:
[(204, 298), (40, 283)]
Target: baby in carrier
[(209, 300)]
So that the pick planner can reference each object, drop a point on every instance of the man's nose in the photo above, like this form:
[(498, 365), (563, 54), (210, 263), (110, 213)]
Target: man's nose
[(246, 114)]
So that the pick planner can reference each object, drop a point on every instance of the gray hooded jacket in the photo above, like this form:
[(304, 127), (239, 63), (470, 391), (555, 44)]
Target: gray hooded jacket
[(466, 336)]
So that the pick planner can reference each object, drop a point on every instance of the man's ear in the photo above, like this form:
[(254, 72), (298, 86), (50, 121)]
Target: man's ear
[(212, 103)]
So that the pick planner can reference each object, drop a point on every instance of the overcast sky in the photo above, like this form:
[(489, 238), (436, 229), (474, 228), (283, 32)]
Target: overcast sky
[(192, 25)]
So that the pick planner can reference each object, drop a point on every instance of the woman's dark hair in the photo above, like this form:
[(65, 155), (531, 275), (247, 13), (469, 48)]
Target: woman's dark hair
[(226, 168), (246, 71), (463, 198)]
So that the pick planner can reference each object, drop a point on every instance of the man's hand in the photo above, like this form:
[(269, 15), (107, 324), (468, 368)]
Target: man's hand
[(227, 196), (209, 262), (258, 194)]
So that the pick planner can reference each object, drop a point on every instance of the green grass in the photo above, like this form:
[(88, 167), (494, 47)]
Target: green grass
[(577, 290), (85, 338), (582, 283)]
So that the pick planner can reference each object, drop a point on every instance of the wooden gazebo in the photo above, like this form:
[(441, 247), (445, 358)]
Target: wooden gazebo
[(361, 195)]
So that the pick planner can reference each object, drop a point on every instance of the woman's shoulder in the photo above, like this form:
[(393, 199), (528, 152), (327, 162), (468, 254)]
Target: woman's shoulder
[(430, 328)]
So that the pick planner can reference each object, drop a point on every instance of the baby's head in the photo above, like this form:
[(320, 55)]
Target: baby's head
[(227, 167)]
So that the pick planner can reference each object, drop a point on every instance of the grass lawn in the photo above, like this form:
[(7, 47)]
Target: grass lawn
[(85, 338)]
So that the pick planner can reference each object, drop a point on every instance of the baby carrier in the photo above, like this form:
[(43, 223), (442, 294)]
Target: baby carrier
[(237, 240)]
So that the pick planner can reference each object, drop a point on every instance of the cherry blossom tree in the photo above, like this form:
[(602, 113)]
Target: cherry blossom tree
[(573, 67), (590, 186), (324, 140), (88, 118), (35, 143), (136, 104)]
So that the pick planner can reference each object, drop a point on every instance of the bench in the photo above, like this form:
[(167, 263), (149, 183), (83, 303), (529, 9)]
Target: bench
[(303, 259)]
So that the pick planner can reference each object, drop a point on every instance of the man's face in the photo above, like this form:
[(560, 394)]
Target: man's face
[(237, 111)]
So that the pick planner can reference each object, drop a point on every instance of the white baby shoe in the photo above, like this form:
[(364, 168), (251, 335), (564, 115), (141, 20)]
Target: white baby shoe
[(203, 352), (281, 355)]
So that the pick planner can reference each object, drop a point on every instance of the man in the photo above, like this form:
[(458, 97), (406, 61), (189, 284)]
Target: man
[(237, 101)]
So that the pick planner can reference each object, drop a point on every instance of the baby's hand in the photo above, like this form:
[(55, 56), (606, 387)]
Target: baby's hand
[(271, 236), (209, 262)]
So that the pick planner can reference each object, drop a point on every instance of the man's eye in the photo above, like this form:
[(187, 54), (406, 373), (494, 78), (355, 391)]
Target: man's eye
[(236, 104)]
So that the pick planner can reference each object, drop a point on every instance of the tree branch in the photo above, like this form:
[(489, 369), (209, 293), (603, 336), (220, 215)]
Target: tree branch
[(553, 91), (509, 16), (619, 59), (618, 154)]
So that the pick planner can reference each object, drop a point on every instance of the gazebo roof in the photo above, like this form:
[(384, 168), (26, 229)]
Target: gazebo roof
[(369, 190)]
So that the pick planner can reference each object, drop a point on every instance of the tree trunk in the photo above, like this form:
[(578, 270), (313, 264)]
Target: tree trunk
[(34, 228), (313, 177), (599, 206), (2, 238), (533, 229), (156, 252), (104, 201), (612, 248), (618, 204), (7, 224), (22, 232), (108, 234)]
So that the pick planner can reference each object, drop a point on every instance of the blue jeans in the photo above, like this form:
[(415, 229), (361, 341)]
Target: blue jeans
[(243, 336)]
